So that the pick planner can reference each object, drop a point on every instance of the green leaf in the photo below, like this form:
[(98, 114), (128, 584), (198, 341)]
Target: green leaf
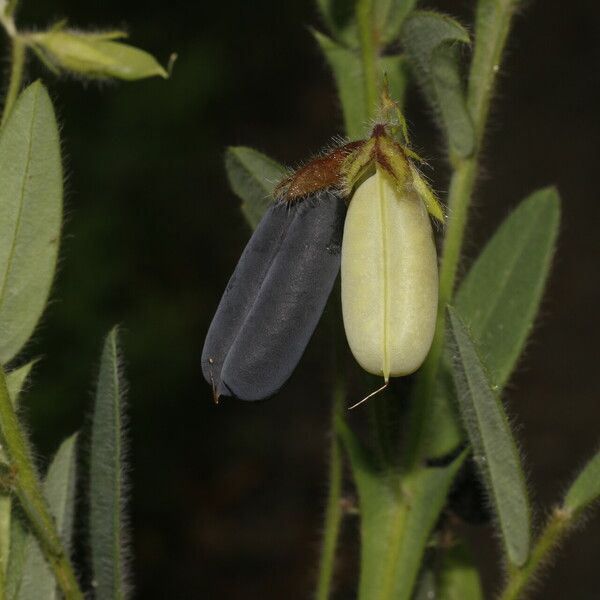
[(15, 380), (339, 18), (96, 55), (30, 216), (348, 74), (432, 43), (19, 543), (390, 16), (107, 479), (252, 177), (500, 296), (396, 519), (38, 581), (586, 488), (494, 448), (458, 577)]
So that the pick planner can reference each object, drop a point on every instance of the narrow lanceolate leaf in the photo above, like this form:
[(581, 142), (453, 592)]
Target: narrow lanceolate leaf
[(395, 68), (252, 177), (500, 296), (432, 44), (339, 18), (347, 71), (19, 542), (96, 55), (15, 380), (396, 521), (586, 487), (38, 581), (493, 445), (458, 577), (107, 494), (30, 216)]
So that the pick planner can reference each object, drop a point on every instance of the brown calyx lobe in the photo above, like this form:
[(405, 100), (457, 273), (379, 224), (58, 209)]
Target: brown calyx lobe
[(320, 173)]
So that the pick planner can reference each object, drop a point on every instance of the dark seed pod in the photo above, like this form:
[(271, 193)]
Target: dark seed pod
[(274, 298)]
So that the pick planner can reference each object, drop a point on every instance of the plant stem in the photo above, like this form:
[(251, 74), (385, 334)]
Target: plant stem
[(493, 23), (520, 579), (333, 512), (28, 491), (16, 77), (369, 54)]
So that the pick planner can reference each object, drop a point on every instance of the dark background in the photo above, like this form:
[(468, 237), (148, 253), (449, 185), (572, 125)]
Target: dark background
[(227, 501)]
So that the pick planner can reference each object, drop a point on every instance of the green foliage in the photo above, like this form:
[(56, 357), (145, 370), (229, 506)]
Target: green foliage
[(500, 296), (432, 46), (59, 488), (30, 216), (95, 55), (585, 490), (494, 448), (346, 66), (389, 16), (397, 517), (458, 577), (252, 177), (107, 479), (339, 18)]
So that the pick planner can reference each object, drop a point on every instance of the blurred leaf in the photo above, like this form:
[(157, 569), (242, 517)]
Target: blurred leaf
[(339, 18), (96, 55), (252, 177), (500, 296), (38, 581), (390, 16), (19, 542), (495, 451), (395, 67), (426, 586), (347, 72), (586, 488), (30, 216), (14, 382), (458, 578), (107, 486), (432, 46), (396, 519)]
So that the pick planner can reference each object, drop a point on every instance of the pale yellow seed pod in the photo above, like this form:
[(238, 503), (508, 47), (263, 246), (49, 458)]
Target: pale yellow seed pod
[(389, 278)]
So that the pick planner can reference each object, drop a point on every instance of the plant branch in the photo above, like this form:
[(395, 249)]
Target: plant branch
[(28, 491), (333, 512), (493, 24), (16, 77), (519, 580), (369, 55)]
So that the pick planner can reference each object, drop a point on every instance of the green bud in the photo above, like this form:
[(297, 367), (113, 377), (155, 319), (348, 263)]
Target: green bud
[(95, 55)]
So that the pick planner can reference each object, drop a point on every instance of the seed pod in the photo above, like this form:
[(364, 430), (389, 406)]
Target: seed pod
[(389, 278), (274, 298)]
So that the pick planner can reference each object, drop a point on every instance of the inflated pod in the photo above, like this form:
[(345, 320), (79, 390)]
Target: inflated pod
[(274, 298), (389, 278)]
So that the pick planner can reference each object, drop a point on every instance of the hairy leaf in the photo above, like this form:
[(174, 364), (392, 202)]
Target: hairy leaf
[(586, 488), (38, 581), (396, 519), (494, 448), (395, 68), (252, 177), (500, 296), (30, 216), (107, 479), (432, 43)]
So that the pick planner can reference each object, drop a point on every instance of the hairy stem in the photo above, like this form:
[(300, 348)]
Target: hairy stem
[(333, 511), (16, 77), (369, 54), (493, 23), (29, 493), (519, 580)]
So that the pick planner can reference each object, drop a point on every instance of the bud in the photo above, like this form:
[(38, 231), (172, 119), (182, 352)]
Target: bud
[(94, 54)]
